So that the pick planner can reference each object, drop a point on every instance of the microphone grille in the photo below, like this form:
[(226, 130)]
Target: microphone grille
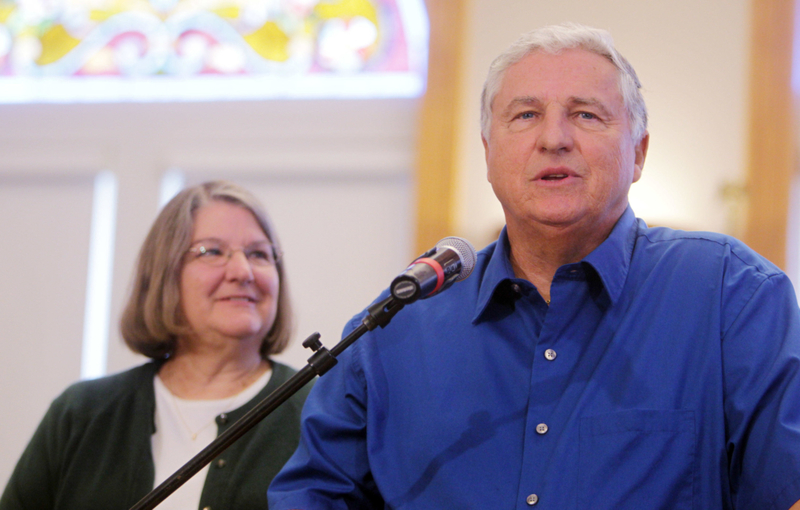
[(465, 251)]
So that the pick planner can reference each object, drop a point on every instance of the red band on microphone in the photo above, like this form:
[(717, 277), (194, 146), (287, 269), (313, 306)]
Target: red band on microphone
[(436, 267)]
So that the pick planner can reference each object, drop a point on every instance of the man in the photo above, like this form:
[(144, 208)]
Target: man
[(589, 361)]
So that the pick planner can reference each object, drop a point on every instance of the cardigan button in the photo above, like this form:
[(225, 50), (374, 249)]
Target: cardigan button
[(221, 463), (222, 419)]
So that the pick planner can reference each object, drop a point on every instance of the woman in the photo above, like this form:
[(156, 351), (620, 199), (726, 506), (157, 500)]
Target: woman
[(209, 305)]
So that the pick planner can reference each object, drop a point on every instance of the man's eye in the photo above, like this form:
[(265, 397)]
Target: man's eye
[(587, 115), (525, 115)]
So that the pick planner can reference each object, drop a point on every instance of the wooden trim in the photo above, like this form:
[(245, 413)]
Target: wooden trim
[(436, 143), (771, 157)]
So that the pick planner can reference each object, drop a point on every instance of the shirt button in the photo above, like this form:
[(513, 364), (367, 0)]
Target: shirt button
[(531, 500), (541, 429), (221, 463), (515, 288), (206, 508), (550, 354), (223, 419)]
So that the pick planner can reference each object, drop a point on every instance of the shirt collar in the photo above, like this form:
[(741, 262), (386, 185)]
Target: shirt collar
[(611, 261), (498, 270)]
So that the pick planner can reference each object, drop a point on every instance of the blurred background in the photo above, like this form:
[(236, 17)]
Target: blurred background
[(356, 122)]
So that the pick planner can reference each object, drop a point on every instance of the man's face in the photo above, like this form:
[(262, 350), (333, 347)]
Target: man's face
[(560, 151)]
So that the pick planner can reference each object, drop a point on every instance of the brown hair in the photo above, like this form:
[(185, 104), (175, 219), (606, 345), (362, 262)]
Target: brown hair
[(152, 319)]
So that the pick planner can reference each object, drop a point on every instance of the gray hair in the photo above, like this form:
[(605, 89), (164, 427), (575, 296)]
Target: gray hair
[(552, 39), (152, 319)]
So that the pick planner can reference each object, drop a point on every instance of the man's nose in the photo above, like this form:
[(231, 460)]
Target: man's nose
[(555, 133)]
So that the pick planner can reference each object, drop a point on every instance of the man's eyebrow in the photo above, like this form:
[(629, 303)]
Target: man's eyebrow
[(595, 103), (573, 101), (521, 101)]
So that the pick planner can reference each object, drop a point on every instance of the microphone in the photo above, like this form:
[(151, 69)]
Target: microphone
[(450, 261)]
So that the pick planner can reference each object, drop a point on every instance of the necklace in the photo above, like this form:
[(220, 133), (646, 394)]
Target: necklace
[(212, 408)]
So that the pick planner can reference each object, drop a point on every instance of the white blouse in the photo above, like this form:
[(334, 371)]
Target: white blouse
[(183, 429)]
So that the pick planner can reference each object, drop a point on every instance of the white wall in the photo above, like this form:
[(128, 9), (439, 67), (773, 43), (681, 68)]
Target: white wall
[(692, 59)]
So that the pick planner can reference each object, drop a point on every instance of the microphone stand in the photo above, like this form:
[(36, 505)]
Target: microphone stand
[(379, 314)]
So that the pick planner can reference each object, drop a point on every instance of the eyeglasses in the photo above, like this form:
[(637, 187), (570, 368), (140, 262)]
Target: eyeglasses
[(217, 253)]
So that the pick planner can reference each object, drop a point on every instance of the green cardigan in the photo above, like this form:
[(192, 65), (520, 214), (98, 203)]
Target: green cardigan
[(92, 450)]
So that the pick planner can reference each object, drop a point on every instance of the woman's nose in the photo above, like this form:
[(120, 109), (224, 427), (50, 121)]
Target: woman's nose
[(238, 267)]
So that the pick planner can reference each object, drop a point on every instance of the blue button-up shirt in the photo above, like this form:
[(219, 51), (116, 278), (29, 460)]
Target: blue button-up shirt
[(665, 374)]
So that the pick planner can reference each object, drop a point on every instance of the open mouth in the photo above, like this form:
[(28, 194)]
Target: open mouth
[(554, 177), (240, 298)]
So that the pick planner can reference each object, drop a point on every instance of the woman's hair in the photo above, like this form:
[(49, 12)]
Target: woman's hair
[(553, 39), (153, 319)]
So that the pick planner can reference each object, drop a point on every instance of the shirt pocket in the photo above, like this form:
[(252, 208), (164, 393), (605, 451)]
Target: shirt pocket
[(637, 459)]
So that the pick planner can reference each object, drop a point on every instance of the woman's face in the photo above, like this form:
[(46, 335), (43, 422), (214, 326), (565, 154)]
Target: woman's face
[(233, 297)]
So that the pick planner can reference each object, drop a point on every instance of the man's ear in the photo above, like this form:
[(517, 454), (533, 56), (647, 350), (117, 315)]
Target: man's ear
[(486, 156), (641, 155)]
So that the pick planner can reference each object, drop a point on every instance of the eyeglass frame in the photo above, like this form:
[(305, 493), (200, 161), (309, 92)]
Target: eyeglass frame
[(197, 247)]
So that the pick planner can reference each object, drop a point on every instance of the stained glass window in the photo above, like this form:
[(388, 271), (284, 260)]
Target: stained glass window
[(164, 50)]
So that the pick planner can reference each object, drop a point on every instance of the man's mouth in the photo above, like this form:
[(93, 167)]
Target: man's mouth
[(554, 177)]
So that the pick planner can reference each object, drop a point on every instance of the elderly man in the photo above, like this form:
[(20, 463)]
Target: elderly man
[(589, 361)]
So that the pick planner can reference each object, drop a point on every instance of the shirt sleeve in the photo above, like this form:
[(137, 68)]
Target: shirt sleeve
[(330, 469), (761, 356)]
